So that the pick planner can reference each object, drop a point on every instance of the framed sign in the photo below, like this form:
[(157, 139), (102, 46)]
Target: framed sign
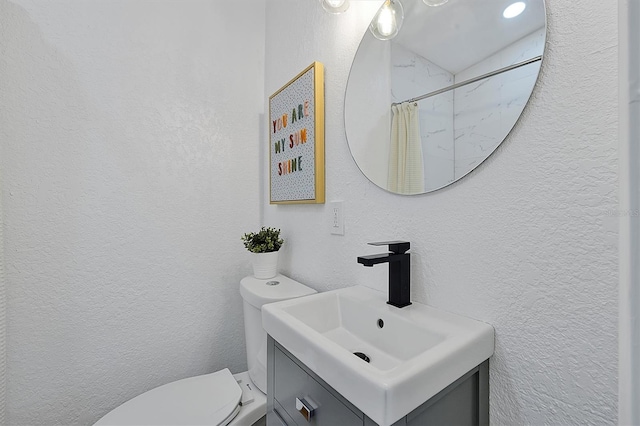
[(296, 139)]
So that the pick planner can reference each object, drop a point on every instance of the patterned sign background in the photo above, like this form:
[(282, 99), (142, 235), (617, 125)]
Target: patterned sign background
[(292, 140)]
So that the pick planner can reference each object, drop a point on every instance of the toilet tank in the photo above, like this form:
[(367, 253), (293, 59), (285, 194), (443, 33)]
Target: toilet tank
[(255, 293)]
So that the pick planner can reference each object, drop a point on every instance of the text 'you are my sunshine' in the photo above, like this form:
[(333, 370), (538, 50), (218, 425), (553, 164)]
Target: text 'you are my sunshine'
[(296, 138)]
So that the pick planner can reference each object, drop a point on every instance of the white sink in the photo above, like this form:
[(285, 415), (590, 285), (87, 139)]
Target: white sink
[(418, 351)]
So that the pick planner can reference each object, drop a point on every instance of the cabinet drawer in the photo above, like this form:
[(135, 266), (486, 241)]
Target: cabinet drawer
[(292, 382), (278, 417)]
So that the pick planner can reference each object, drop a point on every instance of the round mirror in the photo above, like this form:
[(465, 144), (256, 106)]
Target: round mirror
[(426, 107)]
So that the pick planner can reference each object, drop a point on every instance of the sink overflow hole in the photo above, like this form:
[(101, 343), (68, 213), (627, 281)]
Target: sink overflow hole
[(380, 323), (362, 356)]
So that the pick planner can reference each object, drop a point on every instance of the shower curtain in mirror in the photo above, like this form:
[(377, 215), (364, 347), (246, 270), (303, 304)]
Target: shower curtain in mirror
[(406, 167)]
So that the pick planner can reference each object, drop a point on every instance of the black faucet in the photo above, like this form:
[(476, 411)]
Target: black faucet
[(399, 270)]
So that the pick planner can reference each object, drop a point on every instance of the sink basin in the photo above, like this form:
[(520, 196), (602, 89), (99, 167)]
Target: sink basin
[(413, 353)]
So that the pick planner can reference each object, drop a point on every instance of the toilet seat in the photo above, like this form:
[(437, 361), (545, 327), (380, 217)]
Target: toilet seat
[(217, 399), (210, 399)]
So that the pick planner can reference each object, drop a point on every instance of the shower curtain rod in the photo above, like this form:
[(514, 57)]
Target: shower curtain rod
[(473, 80)]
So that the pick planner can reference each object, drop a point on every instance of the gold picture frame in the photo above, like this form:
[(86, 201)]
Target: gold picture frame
[(296, 140)]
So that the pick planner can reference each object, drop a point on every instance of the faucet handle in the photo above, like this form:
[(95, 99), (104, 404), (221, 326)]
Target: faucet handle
[(395, 247)]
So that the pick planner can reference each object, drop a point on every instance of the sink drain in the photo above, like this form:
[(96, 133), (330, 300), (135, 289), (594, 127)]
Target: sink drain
[(362, 356)]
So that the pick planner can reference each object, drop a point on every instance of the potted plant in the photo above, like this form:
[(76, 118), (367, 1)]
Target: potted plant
[(264, 246)]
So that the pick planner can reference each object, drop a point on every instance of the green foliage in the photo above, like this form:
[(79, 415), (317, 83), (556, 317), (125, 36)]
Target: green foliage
[(264, 241)]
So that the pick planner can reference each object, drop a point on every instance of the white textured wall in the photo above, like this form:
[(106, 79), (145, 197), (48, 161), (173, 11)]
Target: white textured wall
[(129, 135), (526, 242)]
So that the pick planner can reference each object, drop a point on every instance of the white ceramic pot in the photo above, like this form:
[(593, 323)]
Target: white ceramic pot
[(265, 265)]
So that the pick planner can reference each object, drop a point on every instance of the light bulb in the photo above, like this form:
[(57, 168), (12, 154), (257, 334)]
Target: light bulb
[(514, 10), (434, 3), (388, 21), (335, 6)]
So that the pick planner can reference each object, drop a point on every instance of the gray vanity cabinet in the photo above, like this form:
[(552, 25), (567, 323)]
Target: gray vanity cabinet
[(290, 384)]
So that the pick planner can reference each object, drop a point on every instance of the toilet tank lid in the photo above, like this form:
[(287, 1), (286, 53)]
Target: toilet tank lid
[(257, 292)]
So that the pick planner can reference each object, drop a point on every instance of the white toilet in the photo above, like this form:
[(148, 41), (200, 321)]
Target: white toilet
[(218, 398)]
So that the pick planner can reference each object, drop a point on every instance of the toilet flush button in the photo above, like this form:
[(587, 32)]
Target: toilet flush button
[(273, 282), (247, 393)]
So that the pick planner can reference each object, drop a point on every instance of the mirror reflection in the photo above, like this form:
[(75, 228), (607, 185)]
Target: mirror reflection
[(426, 107)]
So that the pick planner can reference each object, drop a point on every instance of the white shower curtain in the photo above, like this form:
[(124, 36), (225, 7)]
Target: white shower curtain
[(406, 166)]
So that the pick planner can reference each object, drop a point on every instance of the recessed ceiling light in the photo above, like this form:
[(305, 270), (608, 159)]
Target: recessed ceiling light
[(514, 10)]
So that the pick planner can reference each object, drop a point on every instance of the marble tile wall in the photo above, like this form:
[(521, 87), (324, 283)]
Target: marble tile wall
[(412, 76), (482, 119), (461, 128)]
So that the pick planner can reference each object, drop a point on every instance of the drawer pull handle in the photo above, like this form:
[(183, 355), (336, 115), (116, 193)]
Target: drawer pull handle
[(306, 408)]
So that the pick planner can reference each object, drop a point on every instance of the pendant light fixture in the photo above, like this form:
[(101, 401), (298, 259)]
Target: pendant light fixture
[(335, 6), (388, 21), (434, 3)]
